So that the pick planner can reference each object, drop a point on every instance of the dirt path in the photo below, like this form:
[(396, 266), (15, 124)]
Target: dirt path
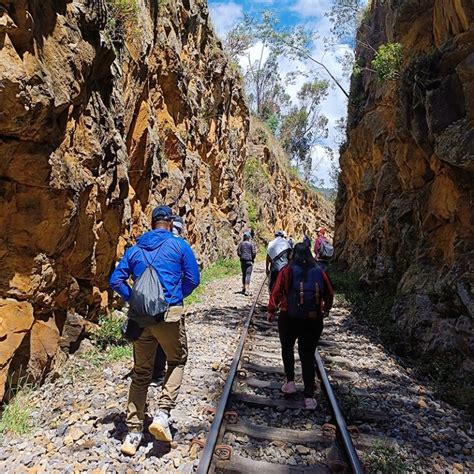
[(79, 418)]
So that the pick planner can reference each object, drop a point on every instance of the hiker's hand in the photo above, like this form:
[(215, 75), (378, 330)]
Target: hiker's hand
[(270, 317), (267, 271), (325, 314)]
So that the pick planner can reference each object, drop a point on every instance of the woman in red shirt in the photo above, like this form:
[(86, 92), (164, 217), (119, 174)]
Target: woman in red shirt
[(303, 296)]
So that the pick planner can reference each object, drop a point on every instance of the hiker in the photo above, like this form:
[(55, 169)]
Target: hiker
[(277, 256), (303, 295), (172, 274), (307, 240), (323, 250), (178, 226), (247, 251), (160, 357)]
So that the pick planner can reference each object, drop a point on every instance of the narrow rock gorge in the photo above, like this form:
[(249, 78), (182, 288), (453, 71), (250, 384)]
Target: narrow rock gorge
[(275, 197), (103, 115), (404, 210)]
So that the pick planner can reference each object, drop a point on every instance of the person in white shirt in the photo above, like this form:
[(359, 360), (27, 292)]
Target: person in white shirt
[(278, 253)]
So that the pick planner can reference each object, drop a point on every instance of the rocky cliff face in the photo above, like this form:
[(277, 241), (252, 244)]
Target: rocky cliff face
[(102, 117), (404, 212), (275, 197)]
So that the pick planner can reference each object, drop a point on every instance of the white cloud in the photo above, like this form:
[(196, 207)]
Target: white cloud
[(311, 8), (225, 16)]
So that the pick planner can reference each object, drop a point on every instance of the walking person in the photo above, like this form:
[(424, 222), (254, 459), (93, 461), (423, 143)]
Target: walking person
[(170, 260), (178, 226), (278, 253), (323, 250), (160, 357), (303, 295), (247, 251)]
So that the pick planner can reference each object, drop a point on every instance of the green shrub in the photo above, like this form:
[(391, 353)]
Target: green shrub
[(385, 459), (272, 122), (252, 211), (109, 332), (123, 14), (387, 61)]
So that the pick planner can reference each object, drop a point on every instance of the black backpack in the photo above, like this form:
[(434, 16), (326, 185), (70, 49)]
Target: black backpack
[(305, 292)]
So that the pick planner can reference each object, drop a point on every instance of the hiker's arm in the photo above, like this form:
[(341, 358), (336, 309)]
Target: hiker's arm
[(254, 251), (278, 294), (191, 278), (317, 244), (268, 263), (328, 294), (119, 277), (239, 250)]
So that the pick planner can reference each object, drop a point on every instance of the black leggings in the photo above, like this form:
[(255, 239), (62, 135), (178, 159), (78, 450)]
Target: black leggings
[(307, 332), (247, 267)]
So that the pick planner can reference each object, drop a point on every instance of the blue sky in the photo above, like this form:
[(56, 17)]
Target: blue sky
[(225, 14)]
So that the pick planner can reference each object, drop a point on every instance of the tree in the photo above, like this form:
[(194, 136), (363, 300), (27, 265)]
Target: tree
[(293, 43), (266, 91), (346, 16), (304, 126), (264, 84)]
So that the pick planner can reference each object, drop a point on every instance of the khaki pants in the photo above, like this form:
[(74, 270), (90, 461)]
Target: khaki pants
[(172, 338)]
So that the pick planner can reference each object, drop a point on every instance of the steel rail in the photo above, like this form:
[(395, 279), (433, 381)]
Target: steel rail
[(205, 459), (345, 437)]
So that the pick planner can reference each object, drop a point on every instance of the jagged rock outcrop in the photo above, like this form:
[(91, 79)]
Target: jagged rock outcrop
[(404, 211), (101, 119), (275, 197)]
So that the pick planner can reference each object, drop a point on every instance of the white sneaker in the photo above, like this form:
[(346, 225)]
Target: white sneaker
[(131, 443), (160, 427)]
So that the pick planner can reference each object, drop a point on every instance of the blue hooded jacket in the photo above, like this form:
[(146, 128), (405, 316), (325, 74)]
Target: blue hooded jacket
[(175, 265)]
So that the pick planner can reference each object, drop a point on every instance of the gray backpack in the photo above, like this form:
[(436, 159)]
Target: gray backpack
[(148, 304)]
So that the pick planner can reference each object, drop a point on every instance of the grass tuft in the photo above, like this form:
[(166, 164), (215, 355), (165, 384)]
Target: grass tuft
[(15, 417), (99, 358), (385, 459)]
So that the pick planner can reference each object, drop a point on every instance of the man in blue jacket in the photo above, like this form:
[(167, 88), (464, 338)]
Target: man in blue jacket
[(177, 269)]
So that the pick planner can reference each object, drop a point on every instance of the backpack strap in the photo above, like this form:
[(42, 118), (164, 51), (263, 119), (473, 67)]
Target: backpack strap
[(156, 253), (279, 255)]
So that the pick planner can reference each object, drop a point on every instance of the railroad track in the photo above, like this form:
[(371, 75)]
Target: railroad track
[(256, 428)]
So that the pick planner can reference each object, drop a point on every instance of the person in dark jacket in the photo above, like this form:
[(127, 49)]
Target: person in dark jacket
[(178, 272), (303, 295), (247, 251)]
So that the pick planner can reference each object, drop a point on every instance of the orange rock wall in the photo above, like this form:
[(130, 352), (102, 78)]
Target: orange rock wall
[(97, 126), (404, 210)]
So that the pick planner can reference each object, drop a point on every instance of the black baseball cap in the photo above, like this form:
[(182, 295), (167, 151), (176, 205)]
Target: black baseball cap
[(162, 213)]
